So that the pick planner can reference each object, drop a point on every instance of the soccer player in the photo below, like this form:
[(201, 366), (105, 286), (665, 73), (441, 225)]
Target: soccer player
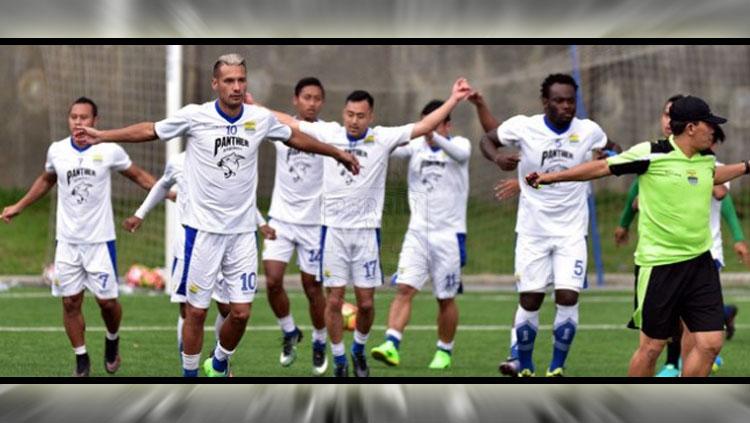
[(435, 244), (295, 216), (223, 137), (85, 253), (173, 176), (352, 209), (721, 205), (552, 223), (676, 275)]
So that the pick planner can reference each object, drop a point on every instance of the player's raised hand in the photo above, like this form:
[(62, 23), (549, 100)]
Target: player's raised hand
[(461, 89), (621, 236), (87, 135), (349, 161), (132, 224), (743, 253), (506, 189), (476, 98), (9, 213), (507, 161), (268, 232)]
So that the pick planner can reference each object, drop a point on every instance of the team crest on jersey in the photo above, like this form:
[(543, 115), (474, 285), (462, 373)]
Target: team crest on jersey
[(81, 192), (250, 125), (692, 177), (97, 158), (574, 138), (230, 164), (370, 138)]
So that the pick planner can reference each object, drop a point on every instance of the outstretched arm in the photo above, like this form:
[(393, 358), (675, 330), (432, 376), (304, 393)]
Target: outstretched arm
[(140, 132), (486, 118), (304, 142), (461, 90), (142, 178), (41, 186), (728, 172), (583, 172), (459, 153)]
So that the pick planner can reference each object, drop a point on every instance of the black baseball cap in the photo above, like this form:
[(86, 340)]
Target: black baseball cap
[(693, 109)]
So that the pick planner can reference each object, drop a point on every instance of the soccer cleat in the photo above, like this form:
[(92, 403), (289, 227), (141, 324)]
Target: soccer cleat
[(112, 358), (320, 362), (289, 348), (208, 368), (442, 360), (387, 353), (526, 373), (717, 364), (83, 366), (341, 370), (359, 362), (509, 367), (669, 370), (729, 321), (558, 372)]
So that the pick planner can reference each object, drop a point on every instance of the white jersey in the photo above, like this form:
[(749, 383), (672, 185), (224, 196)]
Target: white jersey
[(438, 186), (558, 209), (297, 186), (84, 202), (221, 163), (717, 248), (350, 201)]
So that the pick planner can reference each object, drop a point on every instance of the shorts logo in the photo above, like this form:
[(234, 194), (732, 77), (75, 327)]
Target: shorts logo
[(193, 288), (327, 273)]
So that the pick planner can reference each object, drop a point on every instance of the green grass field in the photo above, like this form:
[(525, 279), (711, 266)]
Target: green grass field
[(31, 333)]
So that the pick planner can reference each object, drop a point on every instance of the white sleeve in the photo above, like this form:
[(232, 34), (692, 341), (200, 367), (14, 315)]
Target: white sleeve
[(396, 136), (402, 152), (321, 131), (259, 218), (49, 166), (598, 137), (157, 194), (120, 159), (176, 125), (458, 149), (277, 131), (509, 132)]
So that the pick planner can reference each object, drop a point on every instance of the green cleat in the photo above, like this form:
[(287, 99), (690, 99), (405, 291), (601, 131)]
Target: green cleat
[(558, 372), (442, 360), (208, 368), (387, 353), (526, 373)]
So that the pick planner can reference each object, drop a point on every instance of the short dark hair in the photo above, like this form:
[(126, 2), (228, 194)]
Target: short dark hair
[(678, 127), (557, 78), (86, 100), (432, 106), (306, 82), (360, 95)]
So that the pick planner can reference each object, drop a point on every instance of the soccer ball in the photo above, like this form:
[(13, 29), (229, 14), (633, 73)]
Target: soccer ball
[(349, 312)]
